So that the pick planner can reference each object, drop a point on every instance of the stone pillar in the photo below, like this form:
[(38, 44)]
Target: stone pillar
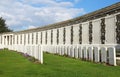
[(26, 40), (43, 37), (112, 56), (110, 30), (34, 38), (39, 38), (76, 34), (54, 36), (22, 39), (61, 36), (49, 37), (67, 36), (19, 39), (30, 38), (96, 32), (85, 33)]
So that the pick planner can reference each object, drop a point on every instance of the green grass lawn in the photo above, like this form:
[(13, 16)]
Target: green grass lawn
[(13, 64)]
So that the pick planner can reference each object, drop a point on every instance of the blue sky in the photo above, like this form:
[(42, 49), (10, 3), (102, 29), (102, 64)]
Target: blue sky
[(27, 14)]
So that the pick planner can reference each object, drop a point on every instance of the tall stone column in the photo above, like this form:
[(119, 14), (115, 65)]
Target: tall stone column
[(110, 30), (54, 36), (39, 38), (43, 37), (68, 35), (61, 36), (76, 34), (49, 37), (96, 32), (30, 38), (34, 38), (85, 33), (26, 40)]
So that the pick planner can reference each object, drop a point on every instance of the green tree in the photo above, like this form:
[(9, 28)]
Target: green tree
[(3, 27)]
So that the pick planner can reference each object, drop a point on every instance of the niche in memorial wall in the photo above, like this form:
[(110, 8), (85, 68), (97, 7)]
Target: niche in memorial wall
[(46, 37), (51, 36), (90, 32), (64, 34), (41, 37), (118, 29), (57, 36), (36, 37), (72, 35), (80, 34), (103, 31)]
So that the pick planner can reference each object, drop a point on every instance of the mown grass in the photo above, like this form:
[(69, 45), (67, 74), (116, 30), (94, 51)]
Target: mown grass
[(13, 64)]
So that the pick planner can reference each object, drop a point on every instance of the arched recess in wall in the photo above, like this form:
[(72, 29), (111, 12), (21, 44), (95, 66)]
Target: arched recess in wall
[(90, 32), (51, 36), (64, 34), (80, 34), (57, 36), (46, 37), (118, 29), (72, 35), (103, 31)]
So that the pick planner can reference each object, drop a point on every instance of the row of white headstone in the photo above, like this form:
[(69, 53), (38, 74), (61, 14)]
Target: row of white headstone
[(32, 50), (91, 53)]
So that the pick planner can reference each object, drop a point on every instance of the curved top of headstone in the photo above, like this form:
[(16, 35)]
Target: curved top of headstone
[(115, 8)]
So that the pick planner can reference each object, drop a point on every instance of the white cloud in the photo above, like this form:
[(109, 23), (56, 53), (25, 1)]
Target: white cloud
[(22, 13), (31, 27)]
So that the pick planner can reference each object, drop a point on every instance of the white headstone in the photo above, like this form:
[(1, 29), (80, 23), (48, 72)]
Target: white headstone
[(104, 54), (85, 53), (76, 52), (80, 52), (90, 52), (96, 54), (112, 56)]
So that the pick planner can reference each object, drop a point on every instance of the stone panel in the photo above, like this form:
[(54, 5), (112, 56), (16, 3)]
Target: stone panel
[(34, 38), (76, 34), (68, 35), (61, 35), (110, 30), (43, 37), (96, 32), (54, 36), (85, 33), (49, 37)]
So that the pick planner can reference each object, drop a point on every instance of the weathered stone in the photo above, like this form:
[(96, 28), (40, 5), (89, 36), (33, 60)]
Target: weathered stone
[(112, 56), (96, 55), (90, 52), (104, 54)]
